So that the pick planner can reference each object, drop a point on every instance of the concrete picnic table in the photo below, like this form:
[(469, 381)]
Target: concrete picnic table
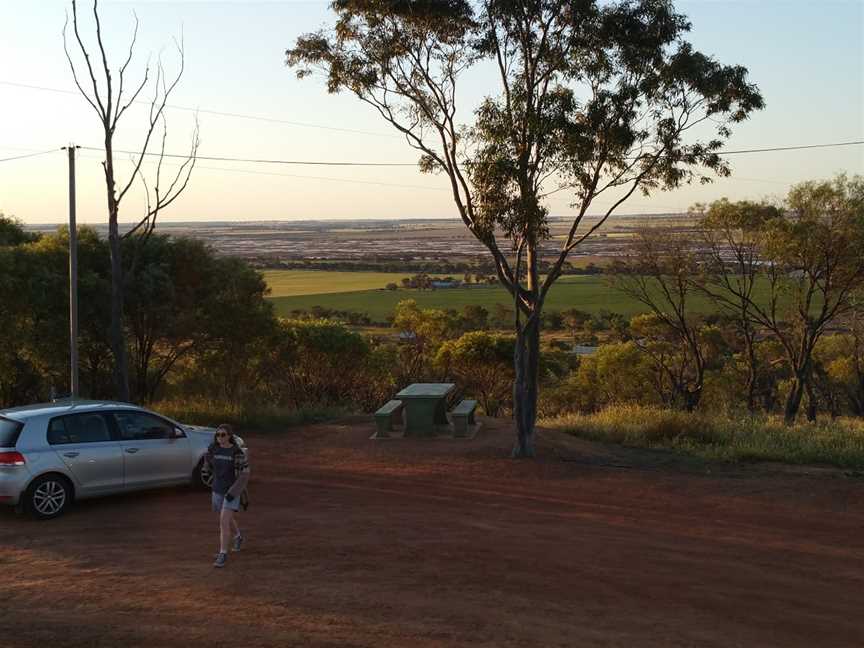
[(425, 407)]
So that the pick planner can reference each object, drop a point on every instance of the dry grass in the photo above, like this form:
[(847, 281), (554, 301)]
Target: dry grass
[(212, 413), (838, 442)]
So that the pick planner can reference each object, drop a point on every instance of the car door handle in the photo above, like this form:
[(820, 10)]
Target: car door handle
[(71, 455), (131, 450)]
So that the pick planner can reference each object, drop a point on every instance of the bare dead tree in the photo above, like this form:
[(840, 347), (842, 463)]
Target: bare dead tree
[(105, 94)]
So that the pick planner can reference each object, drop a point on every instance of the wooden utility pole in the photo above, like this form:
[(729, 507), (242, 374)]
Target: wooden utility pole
[(73, 277)]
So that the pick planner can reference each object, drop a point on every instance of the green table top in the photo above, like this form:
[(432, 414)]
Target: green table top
[(426, 390)]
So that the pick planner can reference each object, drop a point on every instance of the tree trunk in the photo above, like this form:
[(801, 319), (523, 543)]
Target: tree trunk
[(751, 372), (811, 400), (690, 391), (856, 401), (793, 400), (118, 339), (116, 335), (856, 394), (527, 364)]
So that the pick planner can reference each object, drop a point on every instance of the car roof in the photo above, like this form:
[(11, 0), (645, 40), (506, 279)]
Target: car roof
[(63, 406)]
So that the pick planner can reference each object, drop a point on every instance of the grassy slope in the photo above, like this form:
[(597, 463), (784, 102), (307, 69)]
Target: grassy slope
[(716, 437)]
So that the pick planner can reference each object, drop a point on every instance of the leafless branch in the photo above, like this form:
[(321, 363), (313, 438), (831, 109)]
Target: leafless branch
[(100, 110)]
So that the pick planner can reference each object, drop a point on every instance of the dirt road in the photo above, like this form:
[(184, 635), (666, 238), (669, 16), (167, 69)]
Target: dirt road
[(442, 543)]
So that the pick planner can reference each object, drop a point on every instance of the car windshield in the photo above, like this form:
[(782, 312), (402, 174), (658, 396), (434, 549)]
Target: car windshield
[(9, 431)]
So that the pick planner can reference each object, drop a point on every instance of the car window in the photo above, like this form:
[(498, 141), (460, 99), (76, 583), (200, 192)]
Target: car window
[(9, 431), (78, 428), (137, 426)]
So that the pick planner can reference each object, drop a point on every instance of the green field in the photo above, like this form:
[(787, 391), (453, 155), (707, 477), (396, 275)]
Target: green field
[(292, 283), (349, 291)]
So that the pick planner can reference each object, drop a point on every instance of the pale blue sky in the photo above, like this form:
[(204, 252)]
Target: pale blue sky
[(807, 58)]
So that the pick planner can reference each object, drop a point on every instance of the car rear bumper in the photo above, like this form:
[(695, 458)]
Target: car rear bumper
[(13, 483)]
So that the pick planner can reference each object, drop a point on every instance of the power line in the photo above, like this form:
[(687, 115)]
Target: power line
[(306, 177), (414, 164), (273, 120), (387, 184), (414, 186), (261, 161), (790, 148), (362, 132), (29, 155)]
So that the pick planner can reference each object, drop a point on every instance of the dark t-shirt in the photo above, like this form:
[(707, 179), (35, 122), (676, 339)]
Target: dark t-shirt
[(223, 469)]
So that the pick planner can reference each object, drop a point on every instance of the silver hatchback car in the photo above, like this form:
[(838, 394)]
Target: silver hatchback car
[(53, 454)]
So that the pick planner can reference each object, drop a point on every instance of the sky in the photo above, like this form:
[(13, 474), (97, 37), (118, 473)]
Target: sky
[(806, 57)]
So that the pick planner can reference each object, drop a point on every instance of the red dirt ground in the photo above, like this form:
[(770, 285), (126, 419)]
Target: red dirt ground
[(353, 542)]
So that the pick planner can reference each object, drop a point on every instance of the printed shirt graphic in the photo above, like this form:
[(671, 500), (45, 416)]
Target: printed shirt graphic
[(223, 470)]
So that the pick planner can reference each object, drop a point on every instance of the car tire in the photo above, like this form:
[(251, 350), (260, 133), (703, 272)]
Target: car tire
[(48, 497), (201, 477)]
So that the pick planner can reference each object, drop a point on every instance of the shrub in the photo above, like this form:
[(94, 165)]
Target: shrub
[(212, 413)]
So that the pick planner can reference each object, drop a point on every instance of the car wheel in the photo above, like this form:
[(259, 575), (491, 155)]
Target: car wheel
[(202, 477), (48, 497)]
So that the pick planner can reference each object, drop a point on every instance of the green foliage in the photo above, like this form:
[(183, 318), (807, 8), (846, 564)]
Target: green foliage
[(183, 306), (475, 317), (838, 373), (429, 326), (736, 221), (482, 364), (421, 332), (327, 338), (331, 365), (184, 300), (34, 309), (12, 233), (809, 255), (616, 373)]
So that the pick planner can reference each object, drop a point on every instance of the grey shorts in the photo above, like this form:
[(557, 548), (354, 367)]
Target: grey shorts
[(219, 503)]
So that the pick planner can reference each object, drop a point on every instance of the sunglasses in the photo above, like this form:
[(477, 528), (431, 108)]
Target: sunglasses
[(221, 434)]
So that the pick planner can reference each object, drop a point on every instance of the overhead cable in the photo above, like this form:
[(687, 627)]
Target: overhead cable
[(28, 155), (414, 164)]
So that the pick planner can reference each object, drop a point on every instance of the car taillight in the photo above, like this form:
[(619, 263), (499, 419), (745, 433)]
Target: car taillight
[(11, 459)]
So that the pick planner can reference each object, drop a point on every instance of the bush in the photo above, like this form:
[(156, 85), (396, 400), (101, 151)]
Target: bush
[(212, 413), (616, 373)]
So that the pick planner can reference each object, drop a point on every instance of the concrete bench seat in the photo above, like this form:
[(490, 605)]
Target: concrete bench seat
[(463, 416), (385, 416)]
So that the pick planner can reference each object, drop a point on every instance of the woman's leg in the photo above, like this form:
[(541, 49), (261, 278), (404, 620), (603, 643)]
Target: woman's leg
[(225, 522), (235, 528)]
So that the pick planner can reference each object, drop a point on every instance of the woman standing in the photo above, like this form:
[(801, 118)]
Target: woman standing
[(228, 461)]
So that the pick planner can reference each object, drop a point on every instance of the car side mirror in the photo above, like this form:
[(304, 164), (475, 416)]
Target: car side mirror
[(178, 434)]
